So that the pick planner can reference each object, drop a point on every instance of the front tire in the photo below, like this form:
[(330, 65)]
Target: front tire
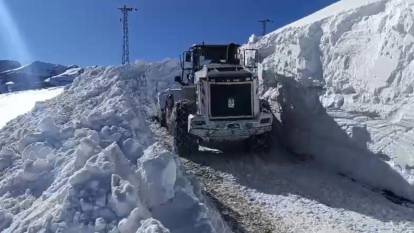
[(184, 143)]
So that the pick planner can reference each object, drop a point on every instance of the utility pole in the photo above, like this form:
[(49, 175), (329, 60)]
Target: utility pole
[(264, 23), (125, 47)]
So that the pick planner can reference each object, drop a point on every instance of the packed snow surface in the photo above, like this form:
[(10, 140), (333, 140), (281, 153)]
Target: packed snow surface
[(86, 161), (18, 103), (341, 83)]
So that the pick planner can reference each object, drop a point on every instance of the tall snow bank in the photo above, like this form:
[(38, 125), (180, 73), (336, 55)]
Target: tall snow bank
[(87, 161), (341, 83)]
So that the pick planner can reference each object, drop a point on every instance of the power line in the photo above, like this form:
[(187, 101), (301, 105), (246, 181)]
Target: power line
[(264, 23), (125, 47)]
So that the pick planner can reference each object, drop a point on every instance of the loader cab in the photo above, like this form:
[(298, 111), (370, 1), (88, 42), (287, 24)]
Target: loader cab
[(200, 55)]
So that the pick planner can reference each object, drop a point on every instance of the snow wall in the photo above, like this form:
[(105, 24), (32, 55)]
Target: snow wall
[(87, 161), (341, 83)]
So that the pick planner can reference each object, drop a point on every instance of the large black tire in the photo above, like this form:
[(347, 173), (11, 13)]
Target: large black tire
[(260, 143), (184, 143)]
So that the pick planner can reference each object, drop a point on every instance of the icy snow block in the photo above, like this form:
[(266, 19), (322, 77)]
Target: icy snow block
[(152, 226), (101, 166), (124, 197), (86, 149), (110, 134), (132, 223), (29, 139), (49, 128), (158, 173), (158, 178), (33, 170), (7, 157), (67, 132), (132, 148), (36, 150), (100, 117), (88, 133)]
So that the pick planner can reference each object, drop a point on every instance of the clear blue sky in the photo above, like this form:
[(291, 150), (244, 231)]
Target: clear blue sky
[(88, 32)]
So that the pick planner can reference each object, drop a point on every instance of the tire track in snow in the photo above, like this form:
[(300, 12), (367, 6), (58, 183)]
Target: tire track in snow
[(241, 215)]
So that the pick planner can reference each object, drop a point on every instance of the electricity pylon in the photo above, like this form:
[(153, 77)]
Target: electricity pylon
[(264, 23), (125, 47)]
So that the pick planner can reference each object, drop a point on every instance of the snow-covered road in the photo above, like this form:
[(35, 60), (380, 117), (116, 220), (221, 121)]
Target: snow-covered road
[(14, 104), (297, 195)]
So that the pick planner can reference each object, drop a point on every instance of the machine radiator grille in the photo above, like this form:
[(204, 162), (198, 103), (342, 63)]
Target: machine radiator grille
[(231, 100)]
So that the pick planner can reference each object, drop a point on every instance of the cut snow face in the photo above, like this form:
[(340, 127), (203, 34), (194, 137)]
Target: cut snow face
[(14, 104), (87, 161), (341, 82)]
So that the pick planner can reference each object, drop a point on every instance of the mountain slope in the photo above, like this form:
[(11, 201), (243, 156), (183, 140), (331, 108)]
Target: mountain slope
[(8, 65), (31, 76)]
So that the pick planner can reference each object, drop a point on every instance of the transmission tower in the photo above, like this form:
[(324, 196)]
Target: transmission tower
[(264, 23), (125, 47)]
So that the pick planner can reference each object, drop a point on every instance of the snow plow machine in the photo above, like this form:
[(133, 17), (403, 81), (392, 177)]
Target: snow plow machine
[(218, 100)]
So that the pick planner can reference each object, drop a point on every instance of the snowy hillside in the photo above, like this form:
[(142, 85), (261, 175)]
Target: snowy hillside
[(33, 76), (8, 65), (341, 82), (17, 103), (87, 161)]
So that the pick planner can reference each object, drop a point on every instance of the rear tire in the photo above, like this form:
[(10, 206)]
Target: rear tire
[(184, 143)]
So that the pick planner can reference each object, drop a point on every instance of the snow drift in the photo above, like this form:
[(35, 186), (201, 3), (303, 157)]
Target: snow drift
[(87, 161), (341, 82)]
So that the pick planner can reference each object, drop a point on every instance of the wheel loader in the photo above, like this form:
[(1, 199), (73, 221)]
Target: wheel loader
[(218, 100)]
